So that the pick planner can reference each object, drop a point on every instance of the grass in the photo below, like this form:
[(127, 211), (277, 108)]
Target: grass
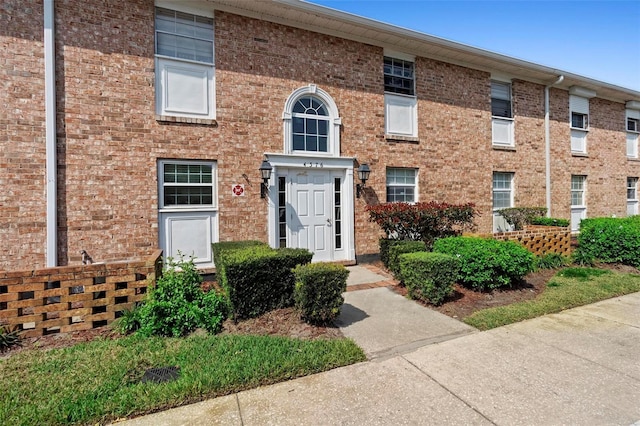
[(569, 288), (99, 381)]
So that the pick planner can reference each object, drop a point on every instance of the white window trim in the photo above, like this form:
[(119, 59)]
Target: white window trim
[(193, 208), (333, 144), (415, 185), (511, 128), (408, 101), (632, 136), (163, 61), (510, 190), (579, 208)]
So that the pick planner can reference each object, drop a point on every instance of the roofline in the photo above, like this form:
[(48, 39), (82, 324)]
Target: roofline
[(546, 74)]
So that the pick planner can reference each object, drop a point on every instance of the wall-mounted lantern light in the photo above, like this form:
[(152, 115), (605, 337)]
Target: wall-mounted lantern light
[(363, 175), (265, 172)]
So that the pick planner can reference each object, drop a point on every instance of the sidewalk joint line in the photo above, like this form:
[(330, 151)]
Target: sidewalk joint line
[(450, 391), (239, 410)]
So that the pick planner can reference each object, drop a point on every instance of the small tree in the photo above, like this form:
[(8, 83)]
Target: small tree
[(518, 217), (423, 221)]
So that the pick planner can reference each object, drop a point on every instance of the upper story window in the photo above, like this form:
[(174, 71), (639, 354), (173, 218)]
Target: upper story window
[(184, 36), (398, 76), (401, 185), (184, 64), (579, 116), (633, 132), (400, 103), (311, 123), (501, 99), (502, 116)]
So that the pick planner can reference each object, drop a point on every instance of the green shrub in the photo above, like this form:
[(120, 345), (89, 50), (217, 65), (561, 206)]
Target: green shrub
[(129, 322), (400, 247), (610, 240), (551, 261), (520, 216), (259, 279), (429, 276), (422, 221), (176, 304), (487, 264), (550, 221), (221, 247), (9, 337), (318, 291)]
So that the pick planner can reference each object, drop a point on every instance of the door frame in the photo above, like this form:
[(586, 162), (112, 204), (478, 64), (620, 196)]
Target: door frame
[(315, 163)]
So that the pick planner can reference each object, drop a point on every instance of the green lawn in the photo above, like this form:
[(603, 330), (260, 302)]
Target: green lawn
[(569, 288), (99, 381)]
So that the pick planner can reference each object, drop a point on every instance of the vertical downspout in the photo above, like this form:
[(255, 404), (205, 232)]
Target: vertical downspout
[(50, 132), (547, 144)]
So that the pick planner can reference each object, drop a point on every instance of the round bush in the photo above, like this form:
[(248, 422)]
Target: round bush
[(487, 264)]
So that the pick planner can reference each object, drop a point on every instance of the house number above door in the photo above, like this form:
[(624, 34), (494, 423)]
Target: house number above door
[(314, 165)]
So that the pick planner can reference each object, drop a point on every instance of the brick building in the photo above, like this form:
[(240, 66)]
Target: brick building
[(131, 125)]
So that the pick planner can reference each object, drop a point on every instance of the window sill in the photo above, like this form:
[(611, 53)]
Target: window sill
[(579, 154), (635, 159), (503, 147), (186, 120), (400, 138), (579, 129)]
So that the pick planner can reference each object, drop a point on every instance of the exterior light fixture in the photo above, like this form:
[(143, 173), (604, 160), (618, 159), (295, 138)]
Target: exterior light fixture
[(265, 172), (363, 175)]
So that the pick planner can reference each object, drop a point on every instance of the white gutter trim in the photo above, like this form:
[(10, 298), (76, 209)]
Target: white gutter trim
[(50, 132), (547, 144)]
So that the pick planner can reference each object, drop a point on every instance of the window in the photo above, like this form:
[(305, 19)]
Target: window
[(500, 99), (502, 199), (502, 118), (578, 201), (633, 132), (632, 196), (401, 185), (282, 212), (310, 125), (502, 190), (579, 109), (398, 76), (187, 184), (184, 64), (400, 100)]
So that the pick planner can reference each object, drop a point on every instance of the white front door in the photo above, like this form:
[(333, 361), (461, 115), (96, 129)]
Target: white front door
[(310, 220)]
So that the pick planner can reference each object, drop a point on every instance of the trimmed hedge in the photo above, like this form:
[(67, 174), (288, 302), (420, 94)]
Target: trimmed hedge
[(400, 247), (429, 276), (221, 247), (550, 221), (318, 291), (487, 264), (610, 240), (259, 279)]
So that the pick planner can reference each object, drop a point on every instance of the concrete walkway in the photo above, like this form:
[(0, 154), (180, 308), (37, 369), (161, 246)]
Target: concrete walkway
[(581, 366)]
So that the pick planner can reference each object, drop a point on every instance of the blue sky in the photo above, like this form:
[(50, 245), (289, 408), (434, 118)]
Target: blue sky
[(596, 39)]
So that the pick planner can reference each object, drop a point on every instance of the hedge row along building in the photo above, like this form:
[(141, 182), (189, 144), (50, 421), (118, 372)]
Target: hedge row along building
[(132, 125)]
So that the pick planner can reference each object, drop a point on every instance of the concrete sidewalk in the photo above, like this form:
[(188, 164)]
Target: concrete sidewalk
[(577, 367)]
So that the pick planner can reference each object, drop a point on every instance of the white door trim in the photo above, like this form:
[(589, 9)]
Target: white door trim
[(331, 164)]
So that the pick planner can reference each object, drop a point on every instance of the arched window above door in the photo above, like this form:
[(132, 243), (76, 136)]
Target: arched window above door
[(311, 123)]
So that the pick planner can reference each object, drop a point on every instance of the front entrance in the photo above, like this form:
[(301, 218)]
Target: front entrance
[(311, 206), (310, 217)]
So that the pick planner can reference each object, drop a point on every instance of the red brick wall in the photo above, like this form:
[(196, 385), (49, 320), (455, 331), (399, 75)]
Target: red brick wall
[(22, 130), (109, 141)]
